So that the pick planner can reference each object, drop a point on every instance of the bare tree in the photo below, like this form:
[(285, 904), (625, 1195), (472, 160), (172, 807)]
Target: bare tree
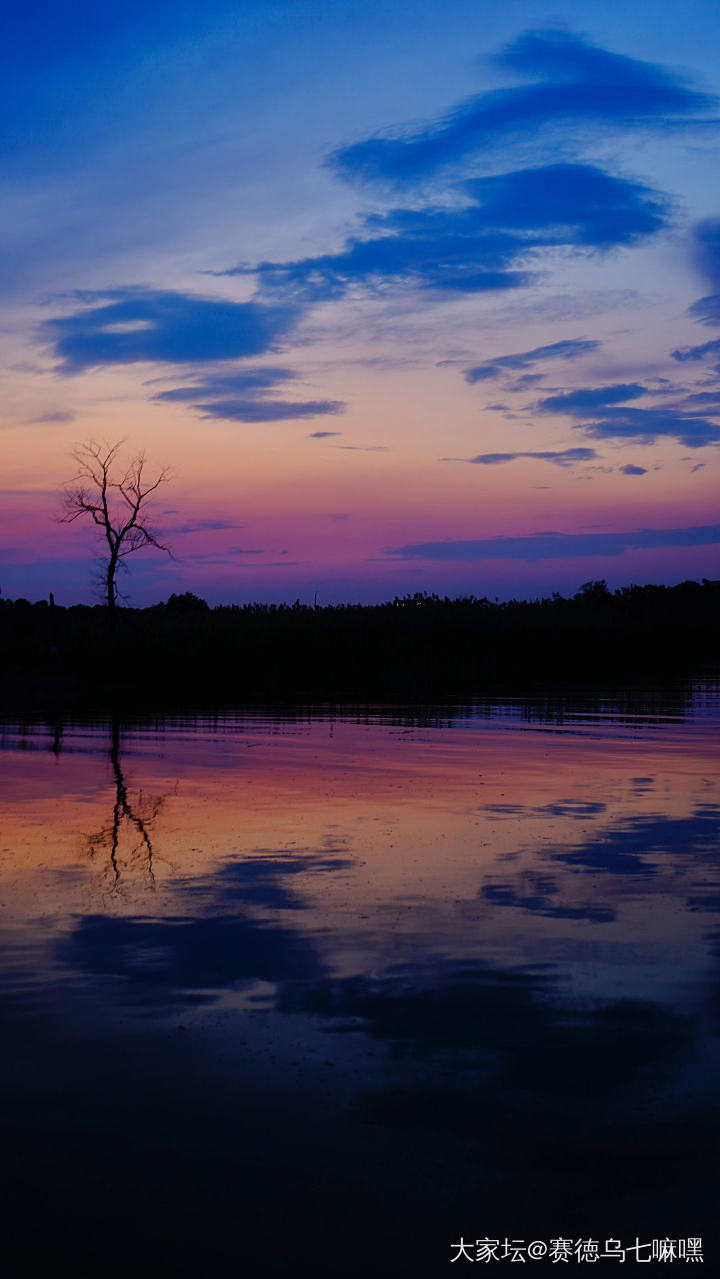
[(113, 499)]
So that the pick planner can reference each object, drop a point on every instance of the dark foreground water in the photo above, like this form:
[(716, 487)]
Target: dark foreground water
[(329, 995)]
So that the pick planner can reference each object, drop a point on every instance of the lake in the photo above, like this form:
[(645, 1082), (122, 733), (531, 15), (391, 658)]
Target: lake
[(348, 991)]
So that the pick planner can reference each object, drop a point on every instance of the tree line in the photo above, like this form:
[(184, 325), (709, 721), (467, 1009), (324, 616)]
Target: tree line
[(182, 652)]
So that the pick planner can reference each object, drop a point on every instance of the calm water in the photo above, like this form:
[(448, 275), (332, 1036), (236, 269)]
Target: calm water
[(325, 994)]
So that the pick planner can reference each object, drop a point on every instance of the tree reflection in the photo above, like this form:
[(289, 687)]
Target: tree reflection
[(126, 839), (56, 745)]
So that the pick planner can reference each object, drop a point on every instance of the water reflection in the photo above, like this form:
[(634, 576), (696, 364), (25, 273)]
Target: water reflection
[(440, 973), (131, 819)]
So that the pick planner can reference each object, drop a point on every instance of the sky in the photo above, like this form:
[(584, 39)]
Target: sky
[(404, 299)]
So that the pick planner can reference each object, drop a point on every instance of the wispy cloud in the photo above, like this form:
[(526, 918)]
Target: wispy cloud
[(362, 448), (578, 86), (613, 418), (587, 398), (686, 353), (243, 395), (707, 401), (707, 310), (569, 349), (480, 243), (649, 425), (239, 381), (261, 410), (706, 244), (204, 526), (566, 457), (545, 546), (59, 416), (706, 240)]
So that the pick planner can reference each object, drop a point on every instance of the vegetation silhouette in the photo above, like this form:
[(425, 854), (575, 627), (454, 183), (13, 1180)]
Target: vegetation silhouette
[(115, 501), (184, 653)]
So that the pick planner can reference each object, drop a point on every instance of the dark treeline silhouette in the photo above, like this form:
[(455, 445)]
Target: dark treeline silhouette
[(184, 653)]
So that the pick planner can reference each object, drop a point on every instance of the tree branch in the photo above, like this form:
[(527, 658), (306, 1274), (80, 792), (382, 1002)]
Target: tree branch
[(90, 494)]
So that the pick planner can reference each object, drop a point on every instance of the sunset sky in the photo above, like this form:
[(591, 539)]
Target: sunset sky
[(406, 298)]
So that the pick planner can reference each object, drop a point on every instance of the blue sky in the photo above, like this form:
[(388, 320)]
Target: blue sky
[(317, 258)]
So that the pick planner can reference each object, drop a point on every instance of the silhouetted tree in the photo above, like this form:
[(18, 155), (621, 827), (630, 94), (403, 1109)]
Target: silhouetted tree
[(113, 499), (593, 590)]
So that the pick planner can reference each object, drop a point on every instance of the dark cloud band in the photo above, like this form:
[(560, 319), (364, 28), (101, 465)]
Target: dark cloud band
[(546, 546)]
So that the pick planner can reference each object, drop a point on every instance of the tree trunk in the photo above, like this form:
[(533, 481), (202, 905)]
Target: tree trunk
[(110, 581)]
